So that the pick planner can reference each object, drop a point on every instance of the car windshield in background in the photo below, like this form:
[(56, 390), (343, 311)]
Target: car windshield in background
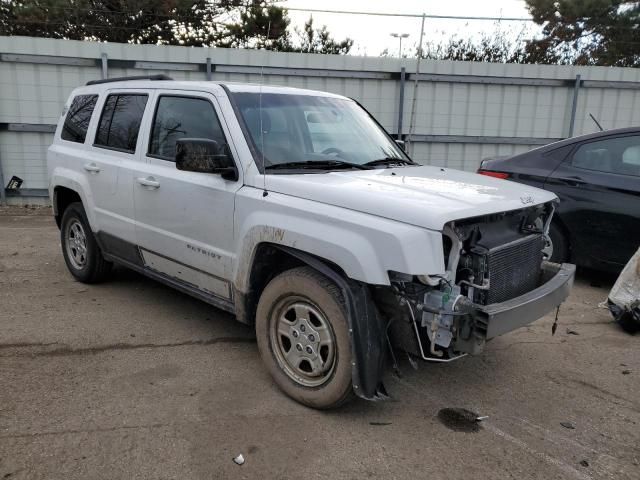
[(314, 132)]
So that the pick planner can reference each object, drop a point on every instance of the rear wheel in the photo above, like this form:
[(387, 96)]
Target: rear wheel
[(79, 247), (559, 245), (303, 338)]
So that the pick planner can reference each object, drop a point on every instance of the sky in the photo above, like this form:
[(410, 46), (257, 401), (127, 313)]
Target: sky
[(371, 34)]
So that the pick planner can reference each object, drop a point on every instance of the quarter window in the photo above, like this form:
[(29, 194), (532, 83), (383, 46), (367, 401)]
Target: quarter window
[(76, 123), (614, 155), (182, 117), (120, 121)]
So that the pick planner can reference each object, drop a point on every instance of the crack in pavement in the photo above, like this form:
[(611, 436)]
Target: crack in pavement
[(88, 430), (67, 350), (564, 379)]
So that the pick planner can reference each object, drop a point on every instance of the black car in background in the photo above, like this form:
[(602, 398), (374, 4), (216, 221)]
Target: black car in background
[(597, 178)]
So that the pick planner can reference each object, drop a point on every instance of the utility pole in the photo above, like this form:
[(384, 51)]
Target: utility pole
[(412, 122)]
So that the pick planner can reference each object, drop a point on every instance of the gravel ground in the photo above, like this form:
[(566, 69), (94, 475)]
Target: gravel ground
[(130, 379)]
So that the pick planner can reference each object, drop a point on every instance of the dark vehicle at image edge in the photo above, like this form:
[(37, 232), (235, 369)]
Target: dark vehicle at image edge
[(597, 178)]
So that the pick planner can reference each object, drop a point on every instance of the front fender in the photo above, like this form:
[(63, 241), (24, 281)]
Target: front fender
[(364, 246)]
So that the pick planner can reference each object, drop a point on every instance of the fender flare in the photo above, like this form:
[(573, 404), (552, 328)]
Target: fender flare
[(366, 329)]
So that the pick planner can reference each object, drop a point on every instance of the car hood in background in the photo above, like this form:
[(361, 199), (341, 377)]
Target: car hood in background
[(425, 196)]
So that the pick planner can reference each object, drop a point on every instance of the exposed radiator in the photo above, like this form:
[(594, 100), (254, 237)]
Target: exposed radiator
[(514, 268)]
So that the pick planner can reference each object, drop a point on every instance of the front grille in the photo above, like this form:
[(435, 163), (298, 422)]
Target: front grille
[(514, 268)]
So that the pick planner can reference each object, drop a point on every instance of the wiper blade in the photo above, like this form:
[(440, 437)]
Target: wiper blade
[(390, 161), (318, 164)]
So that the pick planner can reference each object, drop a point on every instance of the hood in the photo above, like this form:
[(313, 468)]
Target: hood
[(425, 196)]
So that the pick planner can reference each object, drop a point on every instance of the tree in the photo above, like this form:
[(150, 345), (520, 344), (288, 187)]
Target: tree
[(266, 26), (577, 32), (137, 21), (499, 47), (318, 40), (261, 25), (225, 23), (586, 32)]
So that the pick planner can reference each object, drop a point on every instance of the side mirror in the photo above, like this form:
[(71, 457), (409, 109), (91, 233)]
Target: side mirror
[(401, 144), (205, 156)]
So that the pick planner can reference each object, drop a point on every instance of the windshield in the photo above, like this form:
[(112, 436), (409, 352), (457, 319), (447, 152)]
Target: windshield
[(317, 131)]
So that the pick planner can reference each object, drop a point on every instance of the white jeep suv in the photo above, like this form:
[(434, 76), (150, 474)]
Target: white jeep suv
[(297, 212)]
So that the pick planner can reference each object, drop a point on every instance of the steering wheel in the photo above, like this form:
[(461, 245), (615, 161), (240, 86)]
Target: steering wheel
[(329, 151)]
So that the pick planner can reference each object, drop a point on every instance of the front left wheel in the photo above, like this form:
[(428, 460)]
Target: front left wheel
[(79, 247), (303, 337)]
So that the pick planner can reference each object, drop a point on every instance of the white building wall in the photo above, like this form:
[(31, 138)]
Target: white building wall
[(34, 89)]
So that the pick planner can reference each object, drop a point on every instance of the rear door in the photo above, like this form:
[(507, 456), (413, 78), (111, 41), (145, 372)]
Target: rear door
[(184, 220), (599, 189), (113, 155)]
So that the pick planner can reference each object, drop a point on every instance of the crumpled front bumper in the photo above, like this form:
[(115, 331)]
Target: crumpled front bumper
[(520, 311), (490, 321)]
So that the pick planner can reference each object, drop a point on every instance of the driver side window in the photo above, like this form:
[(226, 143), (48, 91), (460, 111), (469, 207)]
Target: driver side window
[(182, 117)]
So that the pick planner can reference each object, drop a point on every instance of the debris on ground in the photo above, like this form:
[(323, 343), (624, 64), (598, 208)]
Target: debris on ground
[(568, 425), (239, 460), (459, 419), (584, 463), (554, 327), (626, 372), (380, 424), (572, 332), (482, 418), (624, 297)]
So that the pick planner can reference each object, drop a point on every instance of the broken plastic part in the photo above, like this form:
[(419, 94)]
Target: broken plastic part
[(624, 297), (627, 286)]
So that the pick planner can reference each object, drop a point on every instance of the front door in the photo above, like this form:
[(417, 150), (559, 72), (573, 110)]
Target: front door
[(599, 190), (184, 220)]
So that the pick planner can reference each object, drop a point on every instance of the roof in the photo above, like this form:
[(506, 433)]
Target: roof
[(588, 136), (164, 82)]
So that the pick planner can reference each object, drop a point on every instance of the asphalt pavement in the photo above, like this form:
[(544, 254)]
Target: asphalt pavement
[(130, 379)]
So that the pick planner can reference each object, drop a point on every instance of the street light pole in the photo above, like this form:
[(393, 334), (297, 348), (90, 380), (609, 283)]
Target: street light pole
[(400, 36)]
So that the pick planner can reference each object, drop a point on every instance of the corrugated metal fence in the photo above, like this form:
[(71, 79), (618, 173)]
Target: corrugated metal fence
[(465, 111)]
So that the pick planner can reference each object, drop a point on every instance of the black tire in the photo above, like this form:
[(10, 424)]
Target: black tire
[(628, 323), (90, 267), (314, 383), (561, 253)]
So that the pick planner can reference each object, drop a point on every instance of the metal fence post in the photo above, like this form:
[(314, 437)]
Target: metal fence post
[(105, 65), (403, 76), (3, 194), (574, 106), (209, 68)]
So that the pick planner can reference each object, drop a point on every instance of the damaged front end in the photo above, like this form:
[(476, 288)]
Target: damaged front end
[(498, 278)]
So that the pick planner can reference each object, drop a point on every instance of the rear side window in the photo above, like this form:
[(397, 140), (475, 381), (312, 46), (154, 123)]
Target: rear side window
[(619, 155), (120, 121), (182, 117), (76, 123)]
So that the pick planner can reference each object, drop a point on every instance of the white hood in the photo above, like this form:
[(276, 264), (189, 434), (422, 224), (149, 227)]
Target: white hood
[(425, 196)]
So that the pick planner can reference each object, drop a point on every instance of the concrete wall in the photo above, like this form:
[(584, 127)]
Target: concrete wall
[(465, 111)]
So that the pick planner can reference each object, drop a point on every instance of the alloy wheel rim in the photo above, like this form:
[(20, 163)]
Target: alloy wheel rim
[(303, 341), (76, 244)]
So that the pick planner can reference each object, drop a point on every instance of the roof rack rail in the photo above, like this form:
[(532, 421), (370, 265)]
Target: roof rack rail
[(160, 76)]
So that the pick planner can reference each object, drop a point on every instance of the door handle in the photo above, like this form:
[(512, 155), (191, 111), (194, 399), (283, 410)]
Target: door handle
[(91, 167), (148, 182), (573, 181)]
